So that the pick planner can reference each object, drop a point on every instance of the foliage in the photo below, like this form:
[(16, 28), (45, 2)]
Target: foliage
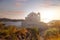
[(52, 34), (55, 24), (12, 33)]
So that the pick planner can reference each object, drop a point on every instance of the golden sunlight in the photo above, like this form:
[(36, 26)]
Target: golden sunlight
[(48, 15)]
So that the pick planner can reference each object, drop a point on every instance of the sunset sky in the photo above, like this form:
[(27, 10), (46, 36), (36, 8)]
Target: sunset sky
[(18, 9)]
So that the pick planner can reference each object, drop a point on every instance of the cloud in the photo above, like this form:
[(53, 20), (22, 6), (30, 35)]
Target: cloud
[(0, 0), (50, 3), (19, 3), (12, 14), (21, 0), (16, 12)]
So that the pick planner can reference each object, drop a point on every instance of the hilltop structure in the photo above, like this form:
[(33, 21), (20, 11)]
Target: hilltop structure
[(33, 17), (32, 20)]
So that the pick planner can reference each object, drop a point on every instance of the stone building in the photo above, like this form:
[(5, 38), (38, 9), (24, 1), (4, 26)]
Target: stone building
[(33, 20), (33, 17)]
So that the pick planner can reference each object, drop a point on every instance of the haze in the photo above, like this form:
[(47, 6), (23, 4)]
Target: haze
[(18, 9)]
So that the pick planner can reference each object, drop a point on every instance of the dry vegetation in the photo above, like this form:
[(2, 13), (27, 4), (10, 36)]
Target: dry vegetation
[(13, 33)]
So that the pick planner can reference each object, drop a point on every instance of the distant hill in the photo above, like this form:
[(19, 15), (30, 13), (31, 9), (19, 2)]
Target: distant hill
[(6, 19)]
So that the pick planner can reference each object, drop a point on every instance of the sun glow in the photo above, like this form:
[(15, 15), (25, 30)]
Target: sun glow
[(47, 15)]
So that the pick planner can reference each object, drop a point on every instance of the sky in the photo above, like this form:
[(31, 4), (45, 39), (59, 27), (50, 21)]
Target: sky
[(19, 9)]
